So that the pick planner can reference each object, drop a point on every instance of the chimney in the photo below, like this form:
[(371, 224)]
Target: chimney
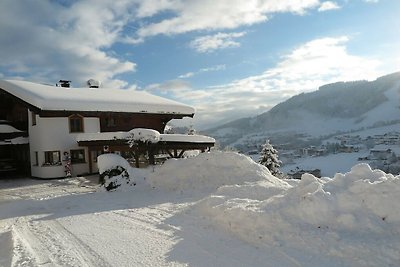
[(65, 83), (92, 83)]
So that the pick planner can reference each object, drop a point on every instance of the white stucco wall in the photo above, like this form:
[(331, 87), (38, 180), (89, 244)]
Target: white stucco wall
[(52, 134)]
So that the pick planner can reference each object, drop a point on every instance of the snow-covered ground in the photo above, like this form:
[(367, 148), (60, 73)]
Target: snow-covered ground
[(329, 164), (216, 209)]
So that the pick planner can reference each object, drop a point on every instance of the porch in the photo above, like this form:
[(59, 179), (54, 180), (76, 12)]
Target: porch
[(142, 153)]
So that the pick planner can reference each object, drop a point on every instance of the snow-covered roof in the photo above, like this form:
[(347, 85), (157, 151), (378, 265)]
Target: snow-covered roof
[(47, 97), (162, 137), (5, 128), (186, 138)]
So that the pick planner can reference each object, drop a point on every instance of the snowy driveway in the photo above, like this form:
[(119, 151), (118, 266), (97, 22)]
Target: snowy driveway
[(70, 223)]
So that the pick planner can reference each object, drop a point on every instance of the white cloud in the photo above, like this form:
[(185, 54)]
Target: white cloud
[(191, 74), (186, 75), (174, 87), (195, 15), (210, 43), (45, 41), (328, 5), (303, 69)]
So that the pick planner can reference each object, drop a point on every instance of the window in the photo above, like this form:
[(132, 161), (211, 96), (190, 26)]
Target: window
[(36, 163), (52, 158), (110, 121), (78, 156), (33, 114), (76, 124)]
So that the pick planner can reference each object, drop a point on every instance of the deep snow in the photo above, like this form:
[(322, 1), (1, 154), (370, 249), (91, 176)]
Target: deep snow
[(216, 209)]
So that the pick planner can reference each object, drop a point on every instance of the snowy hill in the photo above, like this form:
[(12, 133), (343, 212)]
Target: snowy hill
[(337, 107)]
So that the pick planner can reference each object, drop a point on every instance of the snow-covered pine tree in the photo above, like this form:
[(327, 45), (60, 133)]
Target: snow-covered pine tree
[(269, 158)]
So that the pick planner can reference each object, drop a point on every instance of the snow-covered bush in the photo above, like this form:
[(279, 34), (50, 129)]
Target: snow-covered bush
[(115, 171)]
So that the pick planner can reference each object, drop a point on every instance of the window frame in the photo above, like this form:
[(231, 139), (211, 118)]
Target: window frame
[(71, 127), (49, 158), (75, 160)]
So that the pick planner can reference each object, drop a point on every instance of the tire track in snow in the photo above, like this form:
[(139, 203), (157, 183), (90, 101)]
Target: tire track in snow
[(153, 218), (48, 243)]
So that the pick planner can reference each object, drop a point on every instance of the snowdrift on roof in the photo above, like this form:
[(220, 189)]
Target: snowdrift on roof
[(46, 97)]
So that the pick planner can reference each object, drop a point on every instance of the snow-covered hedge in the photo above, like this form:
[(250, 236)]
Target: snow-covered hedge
[(143, 135), (209, 171), (114, 171)]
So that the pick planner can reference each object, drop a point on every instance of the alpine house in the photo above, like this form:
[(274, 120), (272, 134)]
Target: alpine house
[(77, 124)]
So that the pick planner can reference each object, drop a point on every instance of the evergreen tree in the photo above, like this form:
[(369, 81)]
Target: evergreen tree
[(269, 158)]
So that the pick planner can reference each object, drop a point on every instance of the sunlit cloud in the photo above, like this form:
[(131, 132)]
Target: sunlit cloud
[(69, 43), (210, 43), (191, 74), (196, 15), (328, 5)]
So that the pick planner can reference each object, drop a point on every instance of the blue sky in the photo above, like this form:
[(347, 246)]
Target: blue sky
[(227, 58)]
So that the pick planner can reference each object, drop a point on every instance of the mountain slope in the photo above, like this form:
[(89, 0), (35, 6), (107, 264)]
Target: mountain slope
[(341, 106)]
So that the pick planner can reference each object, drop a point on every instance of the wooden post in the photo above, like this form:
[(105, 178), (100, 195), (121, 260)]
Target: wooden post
[(90, 160), (137, 155), (151, 156), (170, 154), (181, 154)]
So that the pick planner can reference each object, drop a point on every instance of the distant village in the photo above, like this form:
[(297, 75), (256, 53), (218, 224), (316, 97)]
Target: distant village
[(381, 151)]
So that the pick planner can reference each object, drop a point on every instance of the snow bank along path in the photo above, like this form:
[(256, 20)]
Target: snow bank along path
[(217, 209), (352, 219)]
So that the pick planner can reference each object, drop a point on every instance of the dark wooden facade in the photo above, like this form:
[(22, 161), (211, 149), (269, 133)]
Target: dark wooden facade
[(14, 111), (112, 122), (14, 159)]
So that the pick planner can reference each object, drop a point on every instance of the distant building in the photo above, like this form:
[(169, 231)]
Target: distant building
[(379, 153), (347, 149)]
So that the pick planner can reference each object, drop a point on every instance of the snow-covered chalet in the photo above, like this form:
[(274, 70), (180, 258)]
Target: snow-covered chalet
[(83, 123)]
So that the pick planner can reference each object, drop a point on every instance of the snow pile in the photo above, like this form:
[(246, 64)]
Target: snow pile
[(209, 171), (115, 171), (143, 135), (346, 212)]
